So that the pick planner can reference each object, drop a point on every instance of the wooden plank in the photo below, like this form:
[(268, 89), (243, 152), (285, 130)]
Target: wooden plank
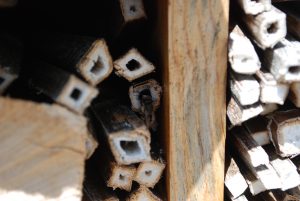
[(195, 59), (42, 153)]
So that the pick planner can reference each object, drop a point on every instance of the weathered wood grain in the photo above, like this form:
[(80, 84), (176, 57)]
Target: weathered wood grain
[(194, 62), (42, 152)]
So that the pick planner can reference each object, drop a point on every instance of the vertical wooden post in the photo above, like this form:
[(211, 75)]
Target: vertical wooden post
[(194, 94)]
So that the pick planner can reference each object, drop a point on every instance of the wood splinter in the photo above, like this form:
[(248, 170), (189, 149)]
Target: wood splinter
[(133, 65), (132, 10), (284, 129), (127, 135), (241, 53), (61, 86), (284, 61), (121, 176), (251, 7), (247, 147), (267, 28), (10, 60), (234, 181), (145, 99), (237, 113), (245, 88), (143, 194), (86, 56), (270, 90)]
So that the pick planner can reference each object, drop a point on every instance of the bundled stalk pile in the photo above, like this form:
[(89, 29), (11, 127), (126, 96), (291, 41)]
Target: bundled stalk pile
[(69, 69), (263, 136)]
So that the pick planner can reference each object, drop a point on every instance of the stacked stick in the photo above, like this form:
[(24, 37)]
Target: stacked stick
[(69, 70), (264, 55)]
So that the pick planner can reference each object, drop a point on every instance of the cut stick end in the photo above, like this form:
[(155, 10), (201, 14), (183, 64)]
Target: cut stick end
[(77, 95), (254, 7), (133, 65), (149, 173), (96, 65), (121, 177), (129, 149), (143, 194), (132, 10)]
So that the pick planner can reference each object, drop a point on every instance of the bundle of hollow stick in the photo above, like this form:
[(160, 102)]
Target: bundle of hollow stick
[(264, 81), (68, 70)]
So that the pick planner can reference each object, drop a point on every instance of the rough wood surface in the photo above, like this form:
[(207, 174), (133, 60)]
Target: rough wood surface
[(241, 53), (266, 28), (126, 134), (121, 176), (42, 152), (195, 60), (61, 86), (284, 132)]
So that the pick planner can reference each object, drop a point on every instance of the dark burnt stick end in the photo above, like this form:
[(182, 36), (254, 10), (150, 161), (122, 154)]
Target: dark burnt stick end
[(145, 99), (133, 65), (11, 51), (126, 134), (61, 86), (86, 56), (284, 131), (8, 3)]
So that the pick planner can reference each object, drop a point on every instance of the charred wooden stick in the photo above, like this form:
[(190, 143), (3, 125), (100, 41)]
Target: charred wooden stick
[(257, 128), (241, 53), (284, 132), (61, 86), (142, 194), (268, 108), (8, 3), (121, 176), (132, 10), (95, 192), (255, 7), (145, 99), (127, 135), (234, 180), (237, 113), (293, 19), (285, 169), (248, 149), (10, 60), (266, 28), (245, 88), (270, 90), (284, 61), (88, 57), (133, 65), (294, 95)]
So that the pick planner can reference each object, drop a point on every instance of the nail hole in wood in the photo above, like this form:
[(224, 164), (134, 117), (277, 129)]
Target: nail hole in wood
[(132, 9), (130, 147), (121, 177), (133, 65), (294, 69), (97, 67), (76, 93), (272, 28), (2, 80), (148, 173)]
